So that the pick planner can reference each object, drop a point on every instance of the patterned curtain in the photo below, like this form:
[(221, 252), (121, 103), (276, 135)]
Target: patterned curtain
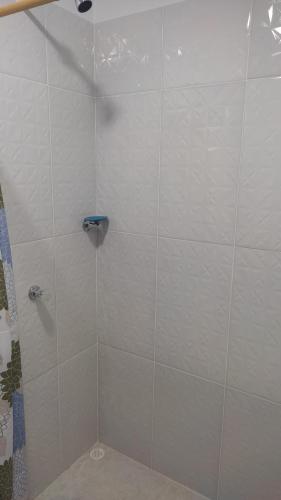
[(13, 484)]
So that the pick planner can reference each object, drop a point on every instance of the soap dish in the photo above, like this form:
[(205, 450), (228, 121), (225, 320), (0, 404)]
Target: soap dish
[(94, 221)]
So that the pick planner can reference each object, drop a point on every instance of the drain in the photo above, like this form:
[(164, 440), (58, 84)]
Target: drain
[(97, 453)]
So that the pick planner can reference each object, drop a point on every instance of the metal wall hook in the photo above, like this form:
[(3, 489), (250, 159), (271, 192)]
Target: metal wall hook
[(35, 292)]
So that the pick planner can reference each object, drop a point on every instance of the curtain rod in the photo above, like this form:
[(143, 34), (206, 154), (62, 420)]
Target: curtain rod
[(21, 5)]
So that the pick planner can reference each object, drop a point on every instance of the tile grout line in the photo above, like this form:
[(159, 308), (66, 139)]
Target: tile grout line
[(162, 13), (157, 243), (147, 235), (169, 367), (54, 254), (97, 248), (144, 91), (238, 179)]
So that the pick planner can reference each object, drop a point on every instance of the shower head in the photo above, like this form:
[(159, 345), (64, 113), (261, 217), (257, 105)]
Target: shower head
[(83, 5)]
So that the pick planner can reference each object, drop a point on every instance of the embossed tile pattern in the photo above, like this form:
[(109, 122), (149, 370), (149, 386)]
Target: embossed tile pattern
[(125, 405), (251, 449), (78, 395), (265, 55), (42, 428), (47, 172), (72, 130), (187, 426), (205, 41), (22, 45), (192, 311), (69, 51), (25, 158), (255, 342), (76, 292), (37, 319), (126, 285), (199, 162), (128, 137), (128, 53), (259, 201)]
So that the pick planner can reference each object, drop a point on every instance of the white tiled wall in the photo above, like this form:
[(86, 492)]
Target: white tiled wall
[(189, 281), (186, 141), (47, 124)]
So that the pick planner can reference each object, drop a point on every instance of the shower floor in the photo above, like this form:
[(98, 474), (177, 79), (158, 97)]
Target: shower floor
[(114, 477)]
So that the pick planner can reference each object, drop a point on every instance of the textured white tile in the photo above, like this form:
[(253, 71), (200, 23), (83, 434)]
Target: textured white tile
[(128, 53), (25, 158), (205, 41), (42, 428), (69, 51), (259, 201), (199, 161), (22, 43), (125, 405), (72, 122), (78, 394), (128, 136), (34, 265), (71, 111), (251, 449), (255, 347), (265, 55), (126, 288), (192, 310), (76, 293), (187, 427)]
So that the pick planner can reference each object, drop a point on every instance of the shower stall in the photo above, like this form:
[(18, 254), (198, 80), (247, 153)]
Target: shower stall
[(140, 169)]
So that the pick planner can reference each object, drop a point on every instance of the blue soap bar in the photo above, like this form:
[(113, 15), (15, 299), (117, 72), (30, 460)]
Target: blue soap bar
[(95, 218)]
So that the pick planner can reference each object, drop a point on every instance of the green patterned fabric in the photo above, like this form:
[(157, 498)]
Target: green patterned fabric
[(13, 484)]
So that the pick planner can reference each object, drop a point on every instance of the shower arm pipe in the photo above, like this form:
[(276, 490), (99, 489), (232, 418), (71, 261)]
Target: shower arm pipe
[(21, 5)]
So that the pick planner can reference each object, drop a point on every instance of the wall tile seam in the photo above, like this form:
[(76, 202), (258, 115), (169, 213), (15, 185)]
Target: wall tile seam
[(161, 12), (77, 354), (136, 92), (188, 240), (45, 10), (97, 248), (158, 363), (148, 235), (192, 375), (59, 364), (54, 256), (228, 83), (231, 289), (238, 184), (33, 379), (27, 380), (183, 372), (71, 91), (47, 238), (45, 84), (154, 237), (24, 78), (51, 7)]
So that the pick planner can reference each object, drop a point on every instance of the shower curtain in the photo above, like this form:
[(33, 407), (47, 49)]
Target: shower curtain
[(13, 484)]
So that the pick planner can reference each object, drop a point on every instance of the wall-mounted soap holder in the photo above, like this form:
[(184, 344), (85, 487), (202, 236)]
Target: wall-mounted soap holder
[(94, 221)]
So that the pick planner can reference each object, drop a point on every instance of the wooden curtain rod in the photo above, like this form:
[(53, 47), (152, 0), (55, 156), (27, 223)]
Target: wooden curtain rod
[(12, 8)]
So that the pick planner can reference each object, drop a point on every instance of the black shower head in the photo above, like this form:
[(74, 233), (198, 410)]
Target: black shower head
[(83, 5)]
